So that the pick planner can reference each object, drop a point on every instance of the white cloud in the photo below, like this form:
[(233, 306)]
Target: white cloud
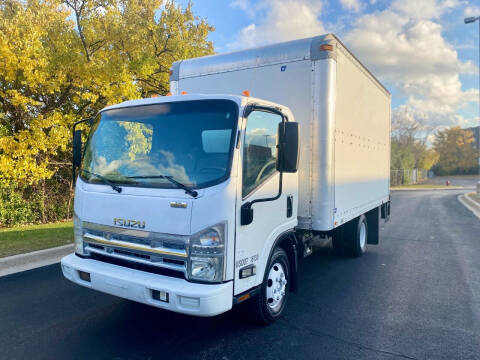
[(471, 11), (404, 118), (245, 6), (423, 9), (279, 20), (403, 45), (352, 5), (465, 46)]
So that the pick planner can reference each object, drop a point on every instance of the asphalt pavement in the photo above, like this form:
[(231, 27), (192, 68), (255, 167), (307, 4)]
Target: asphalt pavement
[(415, 296)]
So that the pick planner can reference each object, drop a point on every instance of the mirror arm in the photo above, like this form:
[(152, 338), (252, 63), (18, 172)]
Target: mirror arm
[(280, 188), (246, 216)]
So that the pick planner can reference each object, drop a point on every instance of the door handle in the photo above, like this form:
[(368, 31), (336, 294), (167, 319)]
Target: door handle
[(289, 206)]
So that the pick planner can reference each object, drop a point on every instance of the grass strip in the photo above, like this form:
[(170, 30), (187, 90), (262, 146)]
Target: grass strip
[(24, 239)]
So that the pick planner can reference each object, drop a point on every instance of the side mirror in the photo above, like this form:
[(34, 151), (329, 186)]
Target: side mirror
[(77, 148), (288, 147)]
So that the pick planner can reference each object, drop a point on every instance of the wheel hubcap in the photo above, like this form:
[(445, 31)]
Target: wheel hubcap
[(363, 235), (276, 285)]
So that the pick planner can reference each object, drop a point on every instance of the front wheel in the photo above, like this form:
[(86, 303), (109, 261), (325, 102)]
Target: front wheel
[(272, 298)]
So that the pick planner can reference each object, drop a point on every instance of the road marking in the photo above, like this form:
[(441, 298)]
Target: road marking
[(466, 202)]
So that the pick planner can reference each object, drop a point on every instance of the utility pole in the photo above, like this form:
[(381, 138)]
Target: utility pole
[(471, 20)]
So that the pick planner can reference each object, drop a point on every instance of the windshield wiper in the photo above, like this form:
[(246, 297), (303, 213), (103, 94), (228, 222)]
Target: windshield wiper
[(105, 180), (187, 189)]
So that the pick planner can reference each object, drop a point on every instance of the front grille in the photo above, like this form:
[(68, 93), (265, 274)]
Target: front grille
[(131, 254), (153, 250), (98, 247), (172, 261), (137, 266)]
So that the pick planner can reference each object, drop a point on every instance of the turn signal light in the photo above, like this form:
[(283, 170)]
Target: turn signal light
[(183, 93), (246, 93)]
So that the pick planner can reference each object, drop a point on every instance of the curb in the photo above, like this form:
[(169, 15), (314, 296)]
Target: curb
[(32, 260), (471, 205)]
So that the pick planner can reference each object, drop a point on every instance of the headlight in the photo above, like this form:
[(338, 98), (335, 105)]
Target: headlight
[(207, 254), (78, 235)]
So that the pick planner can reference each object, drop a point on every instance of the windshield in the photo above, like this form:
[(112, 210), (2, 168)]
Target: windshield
[(189, 141)]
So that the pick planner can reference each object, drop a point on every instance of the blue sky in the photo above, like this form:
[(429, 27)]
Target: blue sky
[(420, 49)]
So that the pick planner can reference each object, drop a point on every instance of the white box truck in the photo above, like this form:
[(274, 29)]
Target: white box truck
[(207, 198)]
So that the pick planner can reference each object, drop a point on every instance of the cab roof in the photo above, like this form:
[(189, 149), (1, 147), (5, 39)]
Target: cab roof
[(241, 101)]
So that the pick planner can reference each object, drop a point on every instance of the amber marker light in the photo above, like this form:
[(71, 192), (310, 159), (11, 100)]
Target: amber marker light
[(326, 47), (246, 93), (244, 297)]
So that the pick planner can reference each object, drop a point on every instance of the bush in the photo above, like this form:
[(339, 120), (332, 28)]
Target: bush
[(13, 208), (48, 201)]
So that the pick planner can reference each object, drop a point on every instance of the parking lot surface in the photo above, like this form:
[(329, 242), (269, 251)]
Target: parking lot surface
[(415, 296)]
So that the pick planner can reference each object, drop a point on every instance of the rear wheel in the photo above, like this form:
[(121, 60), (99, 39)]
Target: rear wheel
[(357, 237), (271, 300), (351, 238)]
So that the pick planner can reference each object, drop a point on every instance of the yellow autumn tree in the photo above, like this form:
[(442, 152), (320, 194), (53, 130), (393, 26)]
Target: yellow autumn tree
[(61, 61)]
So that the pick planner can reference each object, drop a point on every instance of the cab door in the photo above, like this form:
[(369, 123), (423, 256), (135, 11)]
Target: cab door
[(259, 180)]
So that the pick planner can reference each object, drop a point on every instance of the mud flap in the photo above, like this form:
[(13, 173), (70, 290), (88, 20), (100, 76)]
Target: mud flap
[(373, 222)]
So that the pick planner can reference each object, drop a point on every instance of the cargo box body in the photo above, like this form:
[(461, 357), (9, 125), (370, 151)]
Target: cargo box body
[(342, 110)]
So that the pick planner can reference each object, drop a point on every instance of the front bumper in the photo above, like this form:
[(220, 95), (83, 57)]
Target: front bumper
[(184, 297)]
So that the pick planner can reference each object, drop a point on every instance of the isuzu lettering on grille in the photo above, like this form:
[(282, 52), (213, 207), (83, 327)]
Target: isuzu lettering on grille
[(129, 223)]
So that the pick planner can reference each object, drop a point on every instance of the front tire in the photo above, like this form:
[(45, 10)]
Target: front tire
[(271, 300)]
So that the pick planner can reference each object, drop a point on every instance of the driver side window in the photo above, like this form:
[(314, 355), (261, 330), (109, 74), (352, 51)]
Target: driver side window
[(260, 149)]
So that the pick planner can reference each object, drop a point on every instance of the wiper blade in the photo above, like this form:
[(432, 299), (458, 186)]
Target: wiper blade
[(187, 189), (105, 180)]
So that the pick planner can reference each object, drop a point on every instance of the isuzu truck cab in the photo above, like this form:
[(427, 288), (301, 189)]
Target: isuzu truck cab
[(210, 197)]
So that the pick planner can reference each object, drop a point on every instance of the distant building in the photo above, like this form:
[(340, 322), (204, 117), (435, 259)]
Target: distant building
[(476, 135)]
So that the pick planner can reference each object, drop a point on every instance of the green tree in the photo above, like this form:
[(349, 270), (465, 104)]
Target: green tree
[(457, 154), (425, 158), (409, 148), (402, 155)]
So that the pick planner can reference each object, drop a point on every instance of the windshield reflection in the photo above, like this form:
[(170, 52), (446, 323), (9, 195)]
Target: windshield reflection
[(189, 141)]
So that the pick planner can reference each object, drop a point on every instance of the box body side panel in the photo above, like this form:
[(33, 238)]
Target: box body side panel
[(344, 117), (362, 141)]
